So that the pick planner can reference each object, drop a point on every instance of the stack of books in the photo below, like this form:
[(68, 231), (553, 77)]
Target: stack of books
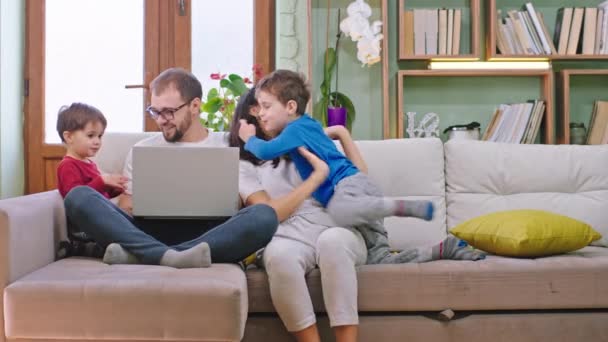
[(431, 32), (598, 126), (517, 123), (577, 31), (582, 30), (523, 33)]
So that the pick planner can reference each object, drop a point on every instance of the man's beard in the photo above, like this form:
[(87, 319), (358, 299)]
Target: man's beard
[(179, 131)]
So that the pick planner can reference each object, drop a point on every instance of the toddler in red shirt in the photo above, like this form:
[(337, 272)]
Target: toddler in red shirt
[(81, 127)]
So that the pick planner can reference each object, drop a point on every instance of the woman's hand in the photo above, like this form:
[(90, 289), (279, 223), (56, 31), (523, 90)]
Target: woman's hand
[(321, 170)]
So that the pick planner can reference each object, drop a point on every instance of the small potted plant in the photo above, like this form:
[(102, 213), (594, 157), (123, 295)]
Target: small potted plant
[(334, 107)]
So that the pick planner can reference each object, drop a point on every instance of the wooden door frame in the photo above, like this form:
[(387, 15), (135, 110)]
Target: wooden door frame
[(264, 36), (168, 45)]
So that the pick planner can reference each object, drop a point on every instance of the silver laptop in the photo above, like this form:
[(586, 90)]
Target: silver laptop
[(185, 181)]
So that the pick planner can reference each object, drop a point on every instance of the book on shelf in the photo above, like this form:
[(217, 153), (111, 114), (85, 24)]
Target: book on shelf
[(582, 30), (523, 32), (603, 48), (443, 32), (575, 30), (532, 33), (562, 29), (419, 31), (598, 125), (598, 32), (457, 27), (430, 32), (517, 123), (589, 28), (605, 138), (407, 32), (539, 27), (450, 29), (547, 34)]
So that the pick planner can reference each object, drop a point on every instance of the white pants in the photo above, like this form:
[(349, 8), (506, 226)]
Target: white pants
[(287, 261)]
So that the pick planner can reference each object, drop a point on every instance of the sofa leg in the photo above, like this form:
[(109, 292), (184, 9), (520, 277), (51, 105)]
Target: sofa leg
[(445, 315)]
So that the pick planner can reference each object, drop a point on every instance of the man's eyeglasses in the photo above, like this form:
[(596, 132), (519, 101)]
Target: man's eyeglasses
[(167, 113)]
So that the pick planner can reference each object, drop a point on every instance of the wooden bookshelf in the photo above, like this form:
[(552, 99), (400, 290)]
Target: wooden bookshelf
[(564, 105), (474, 14), (492, 22), (545, 78)]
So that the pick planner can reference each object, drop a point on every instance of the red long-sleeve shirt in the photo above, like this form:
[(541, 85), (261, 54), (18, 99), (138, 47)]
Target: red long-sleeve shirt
[(73, 172)]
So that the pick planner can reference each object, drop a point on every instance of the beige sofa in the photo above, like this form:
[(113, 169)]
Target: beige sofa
[(559, 298)]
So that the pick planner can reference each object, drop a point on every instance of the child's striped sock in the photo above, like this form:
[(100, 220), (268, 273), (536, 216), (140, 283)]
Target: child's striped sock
[(455, 249), (420, 209)]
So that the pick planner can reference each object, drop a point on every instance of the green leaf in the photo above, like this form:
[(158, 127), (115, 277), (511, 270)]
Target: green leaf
[(213, 105), (343, 101), (235, 84), (329, 64), (213, 92), (239, 85), (210, 118), (319, 111)]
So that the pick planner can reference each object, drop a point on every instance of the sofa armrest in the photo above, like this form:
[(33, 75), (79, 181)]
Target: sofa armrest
[(30, 229)]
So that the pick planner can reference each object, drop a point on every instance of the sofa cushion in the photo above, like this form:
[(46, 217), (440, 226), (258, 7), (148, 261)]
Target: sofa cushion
[(577, 280), (409, 169), (114, 149), (526, 233), (485, 177), (80, 298)]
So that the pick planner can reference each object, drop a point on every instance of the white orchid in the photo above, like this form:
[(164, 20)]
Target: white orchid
[(367, 36)]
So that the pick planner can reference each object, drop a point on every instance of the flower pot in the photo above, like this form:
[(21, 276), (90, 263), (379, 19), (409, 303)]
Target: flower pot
[(336, 116)]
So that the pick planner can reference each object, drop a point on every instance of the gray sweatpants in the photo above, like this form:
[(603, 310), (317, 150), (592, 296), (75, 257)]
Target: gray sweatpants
[(359, 203), (287, 261)]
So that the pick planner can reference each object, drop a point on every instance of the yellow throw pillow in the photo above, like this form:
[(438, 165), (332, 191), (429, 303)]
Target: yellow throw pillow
[(526, 233)]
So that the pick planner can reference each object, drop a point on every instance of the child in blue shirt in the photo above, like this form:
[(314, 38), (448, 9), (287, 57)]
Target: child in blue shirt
[(348, 195)]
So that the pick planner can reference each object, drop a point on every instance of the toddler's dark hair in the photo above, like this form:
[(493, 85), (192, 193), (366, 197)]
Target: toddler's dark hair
[(76, 116)]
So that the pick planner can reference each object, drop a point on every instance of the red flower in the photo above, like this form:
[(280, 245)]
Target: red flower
[(217, 76), (247, 80), (257, 71)]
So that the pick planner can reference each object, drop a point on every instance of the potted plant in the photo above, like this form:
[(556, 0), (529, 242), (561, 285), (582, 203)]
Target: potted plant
[(334, 107), (218, 107)]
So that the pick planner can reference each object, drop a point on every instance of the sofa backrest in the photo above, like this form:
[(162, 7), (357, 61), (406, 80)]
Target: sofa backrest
[(403, 168), (111, 157), (409, 169), (484, 177)]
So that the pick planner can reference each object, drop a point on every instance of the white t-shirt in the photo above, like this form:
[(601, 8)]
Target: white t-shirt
[(278, 182), (214, 139)]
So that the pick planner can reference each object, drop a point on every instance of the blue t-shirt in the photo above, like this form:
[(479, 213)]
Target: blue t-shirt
[(306, 131)]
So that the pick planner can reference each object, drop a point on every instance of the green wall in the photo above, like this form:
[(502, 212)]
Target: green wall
[(456, 100), (12, 19)]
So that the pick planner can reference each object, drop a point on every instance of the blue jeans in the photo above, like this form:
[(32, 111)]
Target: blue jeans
[(244, 233)]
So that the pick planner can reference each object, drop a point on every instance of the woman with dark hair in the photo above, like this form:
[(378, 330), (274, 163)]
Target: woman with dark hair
[(307, 236)]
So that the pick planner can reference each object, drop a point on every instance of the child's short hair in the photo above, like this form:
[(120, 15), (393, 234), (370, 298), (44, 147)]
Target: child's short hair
[(76, 116), (286, 85)]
